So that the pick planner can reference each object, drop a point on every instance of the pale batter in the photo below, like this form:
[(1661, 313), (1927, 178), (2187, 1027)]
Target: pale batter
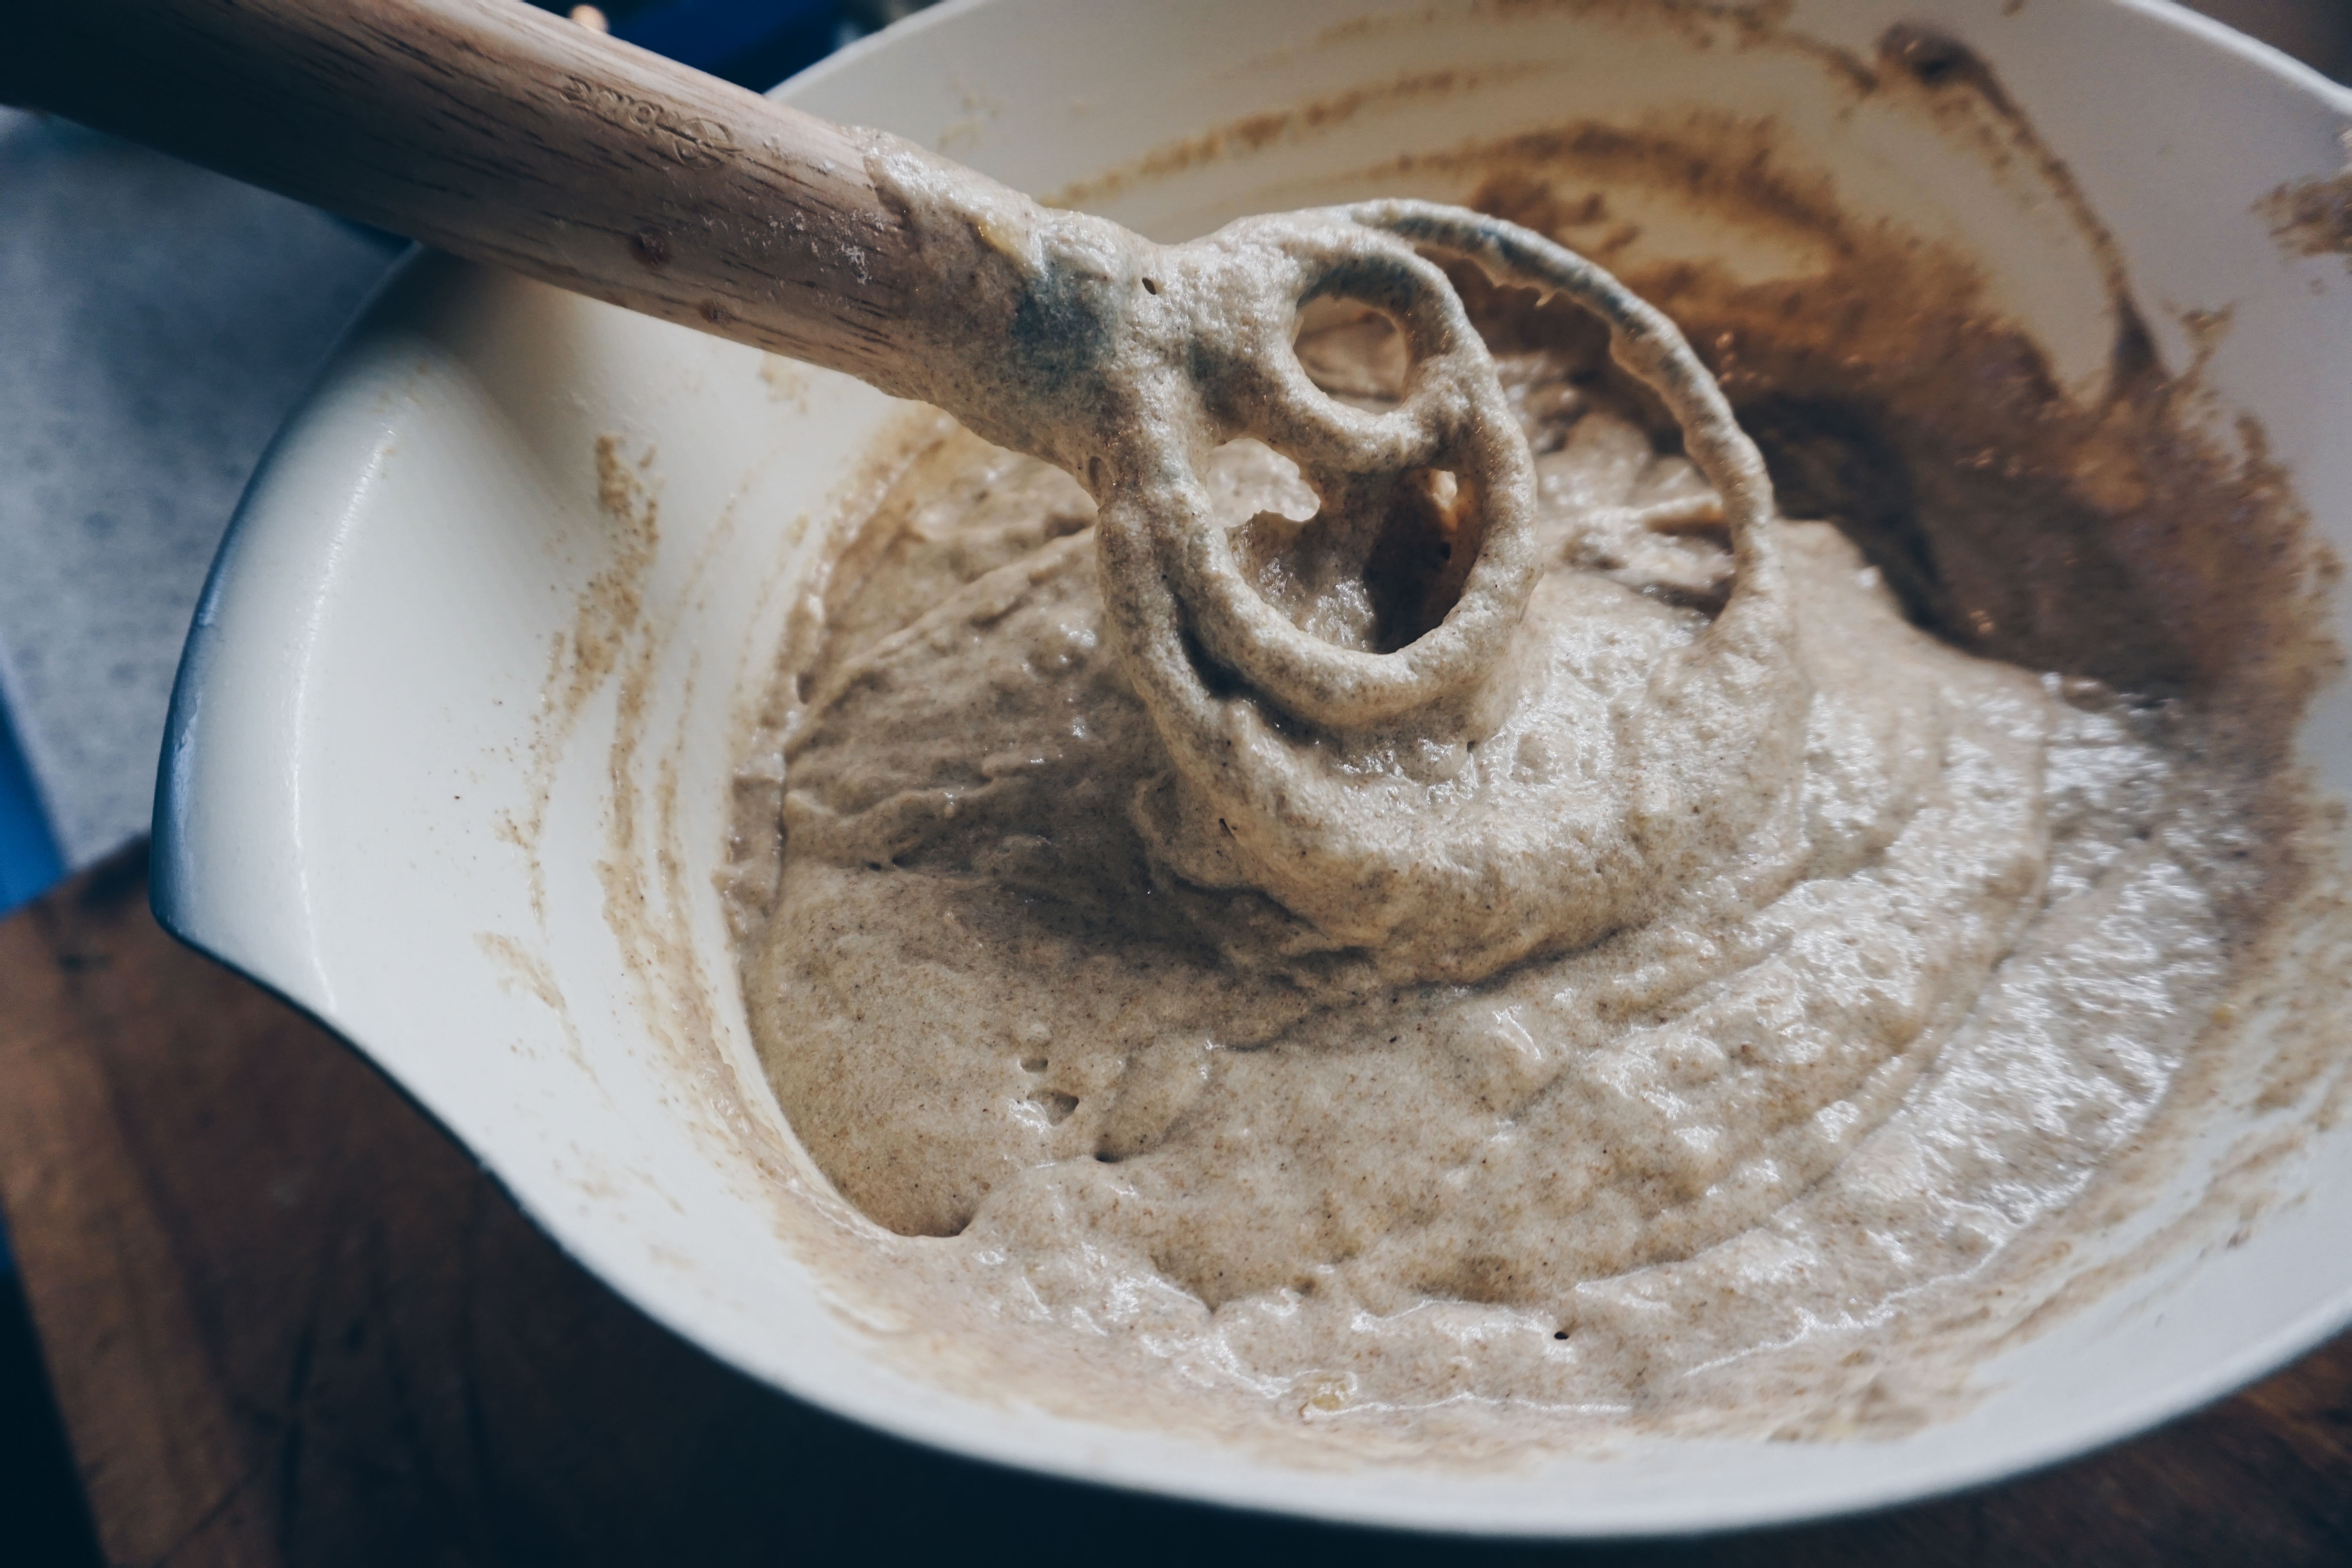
[(1944, 931)]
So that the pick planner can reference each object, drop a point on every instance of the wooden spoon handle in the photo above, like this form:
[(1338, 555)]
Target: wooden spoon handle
[(507, 135)]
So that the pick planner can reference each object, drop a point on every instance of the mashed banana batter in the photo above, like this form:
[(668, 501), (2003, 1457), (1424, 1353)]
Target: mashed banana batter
[(1849, 979)]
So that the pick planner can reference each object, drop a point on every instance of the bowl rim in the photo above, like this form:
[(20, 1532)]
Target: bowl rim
[(185, 843)]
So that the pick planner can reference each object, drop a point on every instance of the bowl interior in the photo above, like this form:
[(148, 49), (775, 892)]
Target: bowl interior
[(450, 761)]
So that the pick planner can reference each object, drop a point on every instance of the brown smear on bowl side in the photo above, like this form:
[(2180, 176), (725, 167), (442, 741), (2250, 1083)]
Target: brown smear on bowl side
[(2115, 540), (2314, 218)]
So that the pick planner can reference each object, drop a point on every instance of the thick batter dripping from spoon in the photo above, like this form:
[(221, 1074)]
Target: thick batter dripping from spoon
[(1321, 690)]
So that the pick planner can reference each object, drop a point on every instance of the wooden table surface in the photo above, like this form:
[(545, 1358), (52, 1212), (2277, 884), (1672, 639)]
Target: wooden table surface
[(288, 1322)]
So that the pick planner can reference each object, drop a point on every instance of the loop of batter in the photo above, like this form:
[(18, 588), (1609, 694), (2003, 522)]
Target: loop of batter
[(1642, 338), (1453, 416), (1291, 414), (1436, 882), (1451, 409)]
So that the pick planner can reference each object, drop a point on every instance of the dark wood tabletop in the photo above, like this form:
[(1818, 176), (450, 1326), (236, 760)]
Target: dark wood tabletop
[(288, 1322)]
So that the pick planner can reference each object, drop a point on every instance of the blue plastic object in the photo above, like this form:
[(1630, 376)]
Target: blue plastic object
[(752, 43), (28, 853)]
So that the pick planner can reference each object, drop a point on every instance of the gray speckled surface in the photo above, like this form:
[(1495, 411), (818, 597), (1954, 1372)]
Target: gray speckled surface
[(156, 324)]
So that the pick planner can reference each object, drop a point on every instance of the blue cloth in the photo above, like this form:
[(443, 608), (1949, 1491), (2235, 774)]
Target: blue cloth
[(157, 323)]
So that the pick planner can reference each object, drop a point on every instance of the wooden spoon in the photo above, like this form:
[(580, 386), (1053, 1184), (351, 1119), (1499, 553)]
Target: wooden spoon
[(506, 135)]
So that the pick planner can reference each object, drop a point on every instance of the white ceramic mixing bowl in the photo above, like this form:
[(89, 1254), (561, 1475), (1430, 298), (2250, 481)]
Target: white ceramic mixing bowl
[(449, 762)]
